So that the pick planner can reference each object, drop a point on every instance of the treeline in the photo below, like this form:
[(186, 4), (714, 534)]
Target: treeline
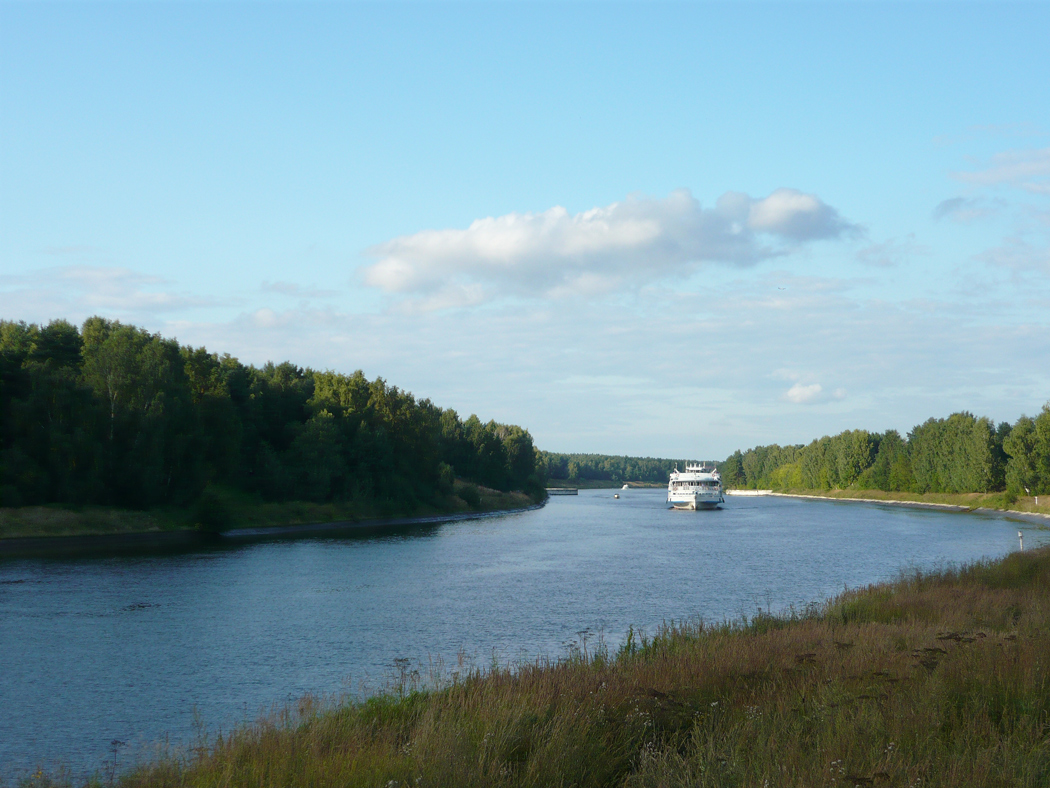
[(959, 454), (605, 467), (112, 414)]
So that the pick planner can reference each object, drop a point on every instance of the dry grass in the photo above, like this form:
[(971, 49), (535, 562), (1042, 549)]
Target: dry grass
[(935, 680)]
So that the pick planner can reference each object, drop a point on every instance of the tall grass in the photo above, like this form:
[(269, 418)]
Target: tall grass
[(937, 679)]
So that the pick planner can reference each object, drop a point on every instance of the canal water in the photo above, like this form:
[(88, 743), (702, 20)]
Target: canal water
[(151, 648)]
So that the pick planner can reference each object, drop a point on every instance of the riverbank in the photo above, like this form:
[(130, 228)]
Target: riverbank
[(1000, 502), (934, 680), (43, 530)]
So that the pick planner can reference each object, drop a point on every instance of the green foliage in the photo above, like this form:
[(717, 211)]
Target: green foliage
[(114, 415), (956, 454), (608, 468), (1027, 447), (211, 513), (960, 454), (470, 494)]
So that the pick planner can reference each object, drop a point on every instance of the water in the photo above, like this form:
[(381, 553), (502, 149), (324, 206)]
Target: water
[(131, 648)]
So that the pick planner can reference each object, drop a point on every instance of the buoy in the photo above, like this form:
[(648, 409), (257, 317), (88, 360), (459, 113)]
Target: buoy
[(617, 495)]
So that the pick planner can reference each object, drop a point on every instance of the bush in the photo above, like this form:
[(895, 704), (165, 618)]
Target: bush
[(470, 494), (210, 513)]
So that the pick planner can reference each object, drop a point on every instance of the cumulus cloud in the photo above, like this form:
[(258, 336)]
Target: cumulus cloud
[(800, 393), (1024, 169), (807, 394), (796, 216), (555, 252)]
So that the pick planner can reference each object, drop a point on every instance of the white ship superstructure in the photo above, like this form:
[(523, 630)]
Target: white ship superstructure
[(699, 486)]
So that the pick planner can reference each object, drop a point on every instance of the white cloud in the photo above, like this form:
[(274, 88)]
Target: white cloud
[(555, 253), (1024, 169), (77, 291), (797, 216), (800, 393)]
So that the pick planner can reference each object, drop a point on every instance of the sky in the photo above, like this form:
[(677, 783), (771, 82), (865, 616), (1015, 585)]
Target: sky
[(643, 228)]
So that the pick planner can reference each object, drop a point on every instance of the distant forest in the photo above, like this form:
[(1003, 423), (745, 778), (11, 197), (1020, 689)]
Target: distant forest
[(959, 454), (606, 467), (112, 414)]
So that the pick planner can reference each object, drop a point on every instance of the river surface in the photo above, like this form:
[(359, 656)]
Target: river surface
[(143, 648)]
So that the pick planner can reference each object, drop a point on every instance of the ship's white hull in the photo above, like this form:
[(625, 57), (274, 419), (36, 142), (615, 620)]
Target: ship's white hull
[(694, 501)]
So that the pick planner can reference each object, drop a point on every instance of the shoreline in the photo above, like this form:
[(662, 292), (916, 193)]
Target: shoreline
[(189, 539), (921, 677), (1041, 518)]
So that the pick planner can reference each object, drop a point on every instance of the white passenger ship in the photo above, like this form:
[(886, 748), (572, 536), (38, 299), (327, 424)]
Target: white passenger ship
[(697, 487)]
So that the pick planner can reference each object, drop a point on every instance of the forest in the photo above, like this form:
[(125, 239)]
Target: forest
[(959, 454), (111, 414), (607, 468)]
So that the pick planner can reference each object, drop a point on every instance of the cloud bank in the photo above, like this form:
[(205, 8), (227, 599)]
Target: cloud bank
[(554, 252)]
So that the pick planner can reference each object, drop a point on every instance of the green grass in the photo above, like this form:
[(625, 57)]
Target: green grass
[(224, 508), (938, 679)]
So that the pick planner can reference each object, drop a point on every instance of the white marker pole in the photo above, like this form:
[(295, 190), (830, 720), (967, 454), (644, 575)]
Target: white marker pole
[(1020, 537)]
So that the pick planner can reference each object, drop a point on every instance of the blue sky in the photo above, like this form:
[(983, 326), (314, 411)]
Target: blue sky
[(659, 229)]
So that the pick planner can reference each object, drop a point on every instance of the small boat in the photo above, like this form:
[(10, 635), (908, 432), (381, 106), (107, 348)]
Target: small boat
[(625, 487), (699, 486)]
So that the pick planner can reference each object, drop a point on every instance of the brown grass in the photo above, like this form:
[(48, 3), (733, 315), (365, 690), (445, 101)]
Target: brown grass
[(935, 680)]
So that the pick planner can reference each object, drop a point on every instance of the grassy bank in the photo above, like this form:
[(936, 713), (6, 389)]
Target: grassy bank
[(222, 508), (936, 680), (1000, 500)]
